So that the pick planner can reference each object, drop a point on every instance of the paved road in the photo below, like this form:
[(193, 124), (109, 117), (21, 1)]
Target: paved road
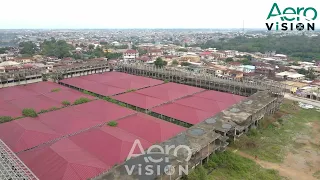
[(303, 100)]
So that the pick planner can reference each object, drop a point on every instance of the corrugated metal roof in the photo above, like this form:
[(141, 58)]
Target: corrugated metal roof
[(26, 133), (139, 100), (182, 113), (63, 160), (154, 130)]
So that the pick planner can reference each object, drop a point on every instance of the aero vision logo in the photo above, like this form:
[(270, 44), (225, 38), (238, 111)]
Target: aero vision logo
[(290, 14)]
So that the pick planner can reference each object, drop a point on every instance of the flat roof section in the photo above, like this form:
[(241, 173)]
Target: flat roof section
[(139, 100), (154, 130), (63, 160), (182, 113), (106, 77)]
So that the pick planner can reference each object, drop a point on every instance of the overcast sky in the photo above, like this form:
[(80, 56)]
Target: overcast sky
[(141, 13)]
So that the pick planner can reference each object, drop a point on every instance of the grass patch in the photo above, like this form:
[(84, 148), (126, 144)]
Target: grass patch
[(112, 123), (43, 111), (316, 174), (28, 112), (81, 101), (131, 90), (55, 90), (228, 165), (166, 81), (66, 103), (276, 135), (4, 119)]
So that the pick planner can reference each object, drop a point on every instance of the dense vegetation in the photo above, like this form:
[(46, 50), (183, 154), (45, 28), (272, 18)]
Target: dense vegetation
[(4, 119), (55, 48), (28, 48), (297, 47), (160, 63), (3, 50)]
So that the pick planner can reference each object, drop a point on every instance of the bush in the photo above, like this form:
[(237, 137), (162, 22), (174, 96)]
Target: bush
[(166, 81), (55, 90), (43, 111), (253, 132), (4, 119), (66, 103), (53, 109), (112, 123), (28, 112), (81, 101)]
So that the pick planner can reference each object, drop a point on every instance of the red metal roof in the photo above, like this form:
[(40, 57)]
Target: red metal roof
[(169, 91), (29, 132), (63, 160), (26, 133), (44, 87), (154, 130), (220, 96), (130, 51), (182, 113), (14, 99), (111, 144), (104, 111), (200, 103), (111, 83), (139, 100), (94, 87), (37, 102), (16, 92), (181, 88)]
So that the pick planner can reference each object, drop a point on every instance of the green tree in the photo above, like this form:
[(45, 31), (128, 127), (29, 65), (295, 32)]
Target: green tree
[(91, 47), (113, 55), (27, 48), (55, 48), (175, 63), (160, 63), (182, 50), (185, 64), (229, 59)]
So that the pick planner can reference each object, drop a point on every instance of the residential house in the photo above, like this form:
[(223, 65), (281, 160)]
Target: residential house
[(130, 55), (155, 52), (233, 74), (292, 86), (290, 76)]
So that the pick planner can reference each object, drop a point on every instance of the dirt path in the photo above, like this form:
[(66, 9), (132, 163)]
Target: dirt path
[(284, 171)]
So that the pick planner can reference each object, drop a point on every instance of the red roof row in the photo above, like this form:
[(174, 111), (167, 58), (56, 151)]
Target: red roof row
[(111, 83), (198, 107), (37, 96), (26, 133), (92, 152)]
